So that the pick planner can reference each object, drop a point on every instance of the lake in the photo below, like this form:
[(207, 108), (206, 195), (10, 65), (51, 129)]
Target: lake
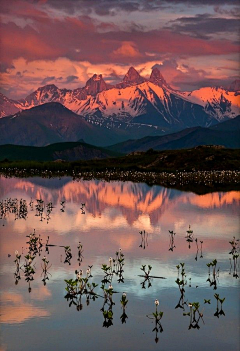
[(145, 226)]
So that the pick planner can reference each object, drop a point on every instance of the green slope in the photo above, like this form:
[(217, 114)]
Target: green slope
[(69, 151)]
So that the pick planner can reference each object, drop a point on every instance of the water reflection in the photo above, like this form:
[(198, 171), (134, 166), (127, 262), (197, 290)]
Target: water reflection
[(93, 237)]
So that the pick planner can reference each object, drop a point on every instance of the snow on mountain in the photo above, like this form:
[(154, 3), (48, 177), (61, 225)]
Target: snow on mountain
[(217, 102), (137, 100)]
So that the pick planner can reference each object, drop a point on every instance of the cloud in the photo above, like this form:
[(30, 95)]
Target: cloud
[(127, 49), (204, 26), (71, 40), (112, 7), (71, 79), (47, 80)]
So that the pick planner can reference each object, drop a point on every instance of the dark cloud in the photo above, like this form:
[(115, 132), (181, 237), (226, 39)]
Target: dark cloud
[(5, 67), (234, 12), (47, 80), (112, 7), (79, 40), (70, 79), (197, 83), (204, 26)]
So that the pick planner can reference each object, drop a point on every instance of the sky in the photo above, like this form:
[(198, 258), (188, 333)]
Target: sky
[(194, 43)]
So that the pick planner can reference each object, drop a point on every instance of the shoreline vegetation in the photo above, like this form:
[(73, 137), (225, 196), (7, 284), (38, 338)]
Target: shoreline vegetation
[(201, 169)]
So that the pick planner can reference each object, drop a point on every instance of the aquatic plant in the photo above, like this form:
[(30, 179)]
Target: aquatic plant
[(194, 314), (181, 282), (156, 316), (124, 302), (79, 287), (68, 254), (17, 274), (80, 253), (189, 236)]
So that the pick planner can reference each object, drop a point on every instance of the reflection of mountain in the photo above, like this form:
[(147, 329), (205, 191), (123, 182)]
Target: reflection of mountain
[(217, 200), (132, 199)]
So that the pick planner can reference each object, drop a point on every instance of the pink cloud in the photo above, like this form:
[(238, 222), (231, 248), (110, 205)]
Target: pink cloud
[(127, 49)]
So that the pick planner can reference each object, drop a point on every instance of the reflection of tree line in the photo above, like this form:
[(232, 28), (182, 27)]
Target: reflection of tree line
[(20, 209)]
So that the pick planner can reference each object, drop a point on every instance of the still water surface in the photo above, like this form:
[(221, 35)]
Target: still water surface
[(111, 217)]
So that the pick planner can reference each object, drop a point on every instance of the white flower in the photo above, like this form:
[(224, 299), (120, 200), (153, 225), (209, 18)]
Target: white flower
[(16, 252), (124, 294), (110, 287), (156, 302), (88, 271)]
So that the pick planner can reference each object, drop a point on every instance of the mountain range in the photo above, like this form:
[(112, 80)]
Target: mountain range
[(225, 134), (103, 114), (137, 100)]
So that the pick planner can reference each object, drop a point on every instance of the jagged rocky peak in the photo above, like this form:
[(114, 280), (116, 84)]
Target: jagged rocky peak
[(157, 78), (95, 85), (132, 77)]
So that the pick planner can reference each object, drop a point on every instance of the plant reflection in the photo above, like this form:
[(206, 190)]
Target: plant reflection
[(219, 312), (181, 282), (234, 252), (171, 240), (17, 274), (80, 253), (45, 267), (189, 236), (144, 239), (212, 277), (13, 206), (68, 254)]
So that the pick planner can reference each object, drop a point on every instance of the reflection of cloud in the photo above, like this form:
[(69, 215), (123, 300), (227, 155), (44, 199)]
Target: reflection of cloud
[(125, 242), (15, 310), (42, 293)]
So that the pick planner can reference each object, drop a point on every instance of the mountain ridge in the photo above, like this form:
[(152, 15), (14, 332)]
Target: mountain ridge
[(136, 100)]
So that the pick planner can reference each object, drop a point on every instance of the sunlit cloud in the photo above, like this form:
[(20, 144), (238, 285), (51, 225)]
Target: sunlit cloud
[(71, 40)]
